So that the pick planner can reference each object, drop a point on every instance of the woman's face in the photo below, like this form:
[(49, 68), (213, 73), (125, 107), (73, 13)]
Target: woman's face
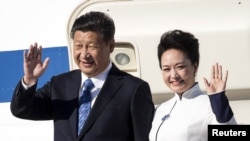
[(177, 70), (91, 53)]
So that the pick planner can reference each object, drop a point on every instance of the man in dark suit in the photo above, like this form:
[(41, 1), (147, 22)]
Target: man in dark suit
[(121, 104)]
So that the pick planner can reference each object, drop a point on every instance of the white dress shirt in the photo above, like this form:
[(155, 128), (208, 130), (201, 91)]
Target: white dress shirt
[(98, 82)]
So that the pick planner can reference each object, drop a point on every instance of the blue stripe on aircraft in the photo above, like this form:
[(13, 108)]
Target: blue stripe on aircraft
[(11, 63)]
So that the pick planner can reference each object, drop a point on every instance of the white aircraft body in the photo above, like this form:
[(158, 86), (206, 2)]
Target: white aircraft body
[(222, 27)]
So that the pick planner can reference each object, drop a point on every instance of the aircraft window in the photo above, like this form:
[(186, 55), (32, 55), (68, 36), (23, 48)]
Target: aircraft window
[(124, 57)]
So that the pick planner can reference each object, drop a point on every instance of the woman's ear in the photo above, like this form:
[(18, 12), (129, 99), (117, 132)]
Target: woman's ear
[(195, 69)]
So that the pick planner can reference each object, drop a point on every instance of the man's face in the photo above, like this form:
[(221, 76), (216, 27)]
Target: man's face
[(91, 52)]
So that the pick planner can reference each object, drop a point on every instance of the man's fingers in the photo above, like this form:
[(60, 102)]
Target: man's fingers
[(46, 63), (25, 56)]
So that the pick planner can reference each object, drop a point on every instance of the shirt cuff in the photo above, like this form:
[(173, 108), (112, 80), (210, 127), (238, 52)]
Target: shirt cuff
[(26, 86)]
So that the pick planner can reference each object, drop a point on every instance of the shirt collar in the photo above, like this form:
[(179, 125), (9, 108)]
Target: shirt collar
[(99, 79)]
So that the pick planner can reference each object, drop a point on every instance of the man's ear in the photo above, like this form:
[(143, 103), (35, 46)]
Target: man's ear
[(112, 45)]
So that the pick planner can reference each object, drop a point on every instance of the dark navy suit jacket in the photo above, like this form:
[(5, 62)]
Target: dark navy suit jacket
[(123, 110)]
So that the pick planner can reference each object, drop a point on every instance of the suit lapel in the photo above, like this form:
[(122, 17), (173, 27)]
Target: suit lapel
[(73, 86), (109, 89)]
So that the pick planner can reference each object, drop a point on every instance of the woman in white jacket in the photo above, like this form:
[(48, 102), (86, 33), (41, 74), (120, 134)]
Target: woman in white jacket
[(186, 116)]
